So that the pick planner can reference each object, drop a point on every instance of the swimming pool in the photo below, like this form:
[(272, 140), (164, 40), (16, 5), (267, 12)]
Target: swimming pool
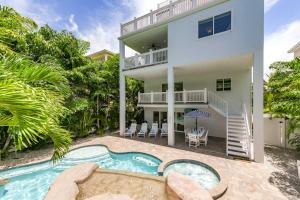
[(33, 181), (199, 172)]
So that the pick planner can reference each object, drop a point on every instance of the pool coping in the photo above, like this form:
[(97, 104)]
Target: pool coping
[(215, 192)]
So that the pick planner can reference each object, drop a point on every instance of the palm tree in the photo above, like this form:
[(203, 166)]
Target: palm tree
[(31, 104)]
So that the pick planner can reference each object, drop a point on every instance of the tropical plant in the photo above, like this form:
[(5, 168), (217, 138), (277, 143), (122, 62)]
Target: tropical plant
[(13, 28), (283, 95), (32, 112)]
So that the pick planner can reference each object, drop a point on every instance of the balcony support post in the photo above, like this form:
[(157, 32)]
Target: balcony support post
[(122, 90), (171, 133), (184, 96)]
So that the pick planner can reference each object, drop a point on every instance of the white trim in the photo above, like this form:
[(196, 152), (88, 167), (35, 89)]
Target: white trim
[(175, 106)]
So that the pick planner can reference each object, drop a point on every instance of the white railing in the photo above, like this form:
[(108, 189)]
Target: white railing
[(166, 10), (249, 133), (150, 58), (218, 103), (193, 96)]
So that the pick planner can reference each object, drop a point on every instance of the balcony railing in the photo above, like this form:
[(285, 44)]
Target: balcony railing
[(192, 96), (150, 58), (166, 11)]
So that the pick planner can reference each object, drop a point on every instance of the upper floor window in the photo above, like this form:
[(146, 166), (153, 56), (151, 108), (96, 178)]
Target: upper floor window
[(223, 84), (214, 25), (205, 28)]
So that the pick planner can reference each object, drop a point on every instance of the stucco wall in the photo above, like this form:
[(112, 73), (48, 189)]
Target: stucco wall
[(245, 36), (240, 86), (216, 123)]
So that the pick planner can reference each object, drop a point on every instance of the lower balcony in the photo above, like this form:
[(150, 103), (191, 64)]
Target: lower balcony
[(182, 97)]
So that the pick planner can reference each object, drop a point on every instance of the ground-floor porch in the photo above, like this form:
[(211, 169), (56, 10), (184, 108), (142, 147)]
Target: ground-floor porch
[(215, 146)]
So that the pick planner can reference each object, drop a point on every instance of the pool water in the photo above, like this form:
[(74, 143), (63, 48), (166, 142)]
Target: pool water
[(32, 182), (200, 173)]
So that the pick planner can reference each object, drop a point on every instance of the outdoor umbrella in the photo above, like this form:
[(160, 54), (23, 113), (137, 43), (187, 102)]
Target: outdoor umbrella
[(197, 114)]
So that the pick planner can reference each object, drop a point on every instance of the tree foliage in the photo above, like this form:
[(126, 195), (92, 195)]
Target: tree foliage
[(282, 96), (50, 91)]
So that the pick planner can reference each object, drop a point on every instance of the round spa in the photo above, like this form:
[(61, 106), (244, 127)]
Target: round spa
[(203, 174)]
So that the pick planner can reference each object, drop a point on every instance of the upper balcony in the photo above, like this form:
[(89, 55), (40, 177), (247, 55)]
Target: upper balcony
[(166, 11), (147, 59)]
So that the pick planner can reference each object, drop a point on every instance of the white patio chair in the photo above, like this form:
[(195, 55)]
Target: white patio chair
[(203, 139), (187, 131), (131, 131), (164, 130), (154, 130), (143, 131), (194, 140)]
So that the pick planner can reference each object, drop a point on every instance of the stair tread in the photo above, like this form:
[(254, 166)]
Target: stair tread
[(238, 154), (239, 149), (235, 144)]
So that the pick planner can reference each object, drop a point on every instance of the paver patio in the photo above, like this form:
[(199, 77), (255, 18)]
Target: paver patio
[(246, 180)]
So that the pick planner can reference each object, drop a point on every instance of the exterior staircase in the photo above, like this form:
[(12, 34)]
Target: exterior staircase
[(238, 141)]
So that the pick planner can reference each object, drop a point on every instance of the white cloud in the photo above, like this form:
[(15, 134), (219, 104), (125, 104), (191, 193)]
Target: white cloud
[(278, 43), (104, 36), (73, 26), (40, 13), (269, 4)]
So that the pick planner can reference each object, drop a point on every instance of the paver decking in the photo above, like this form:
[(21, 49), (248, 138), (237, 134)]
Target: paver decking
[(246, 180)]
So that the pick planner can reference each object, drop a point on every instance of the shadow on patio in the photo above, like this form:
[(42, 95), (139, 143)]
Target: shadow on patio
[(215, 146), (285, 175)]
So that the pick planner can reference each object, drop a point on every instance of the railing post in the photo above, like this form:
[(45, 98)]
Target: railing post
[(139, 97), (136, 61), (151, 17), (135, 24), (184, 96), (205, 95), (194, 3), (151, 97), (167, 96), (171, 9), (151, 57)]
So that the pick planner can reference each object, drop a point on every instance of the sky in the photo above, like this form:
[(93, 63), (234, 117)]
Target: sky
[(98, 21)]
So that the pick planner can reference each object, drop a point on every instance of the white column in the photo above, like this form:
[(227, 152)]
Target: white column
[(171, 133), (258, 120), (122, 90)]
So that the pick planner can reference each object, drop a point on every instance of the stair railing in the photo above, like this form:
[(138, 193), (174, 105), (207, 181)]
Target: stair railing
[(248, 131)]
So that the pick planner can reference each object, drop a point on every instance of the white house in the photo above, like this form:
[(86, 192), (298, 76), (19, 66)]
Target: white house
[(295, 50), (200, 54)]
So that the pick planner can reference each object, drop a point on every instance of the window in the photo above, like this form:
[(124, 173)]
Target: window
[(205, 28), (214, 25), (223, 85), (223, 23), (178, 87)]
